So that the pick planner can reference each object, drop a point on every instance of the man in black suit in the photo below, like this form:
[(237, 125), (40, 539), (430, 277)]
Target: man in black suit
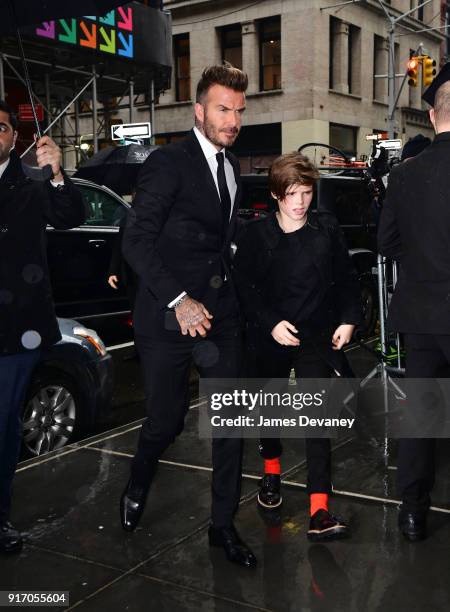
[(177, 240), (415, 230)]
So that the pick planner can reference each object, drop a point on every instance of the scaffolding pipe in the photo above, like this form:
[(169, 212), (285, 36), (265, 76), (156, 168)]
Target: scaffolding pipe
[(63, 68), (131, 101), (94, 109), (77, 131), (56, 119), (152, 111)]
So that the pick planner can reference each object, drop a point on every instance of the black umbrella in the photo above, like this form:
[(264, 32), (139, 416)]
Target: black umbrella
[(24, 13), (116, 167)]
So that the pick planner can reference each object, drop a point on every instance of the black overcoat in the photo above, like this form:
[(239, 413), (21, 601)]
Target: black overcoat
[(415, 230), (26, 207)]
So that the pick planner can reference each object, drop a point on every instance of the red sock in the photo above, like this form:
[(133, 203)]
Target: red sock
[(318, 501), (272, 466)]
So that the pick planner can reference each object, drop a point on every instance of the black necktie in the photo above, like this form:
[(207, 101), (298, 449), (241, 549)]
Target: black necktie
[(223, 190)]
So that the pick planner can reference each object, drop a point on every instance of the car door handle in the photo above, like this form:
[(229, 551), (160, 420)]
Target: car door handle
[(97, 243)]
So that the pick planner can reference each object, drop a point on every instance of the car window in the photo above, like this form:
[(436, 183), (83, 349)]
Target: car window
[(103, 209), (346, 199), (256, 194)]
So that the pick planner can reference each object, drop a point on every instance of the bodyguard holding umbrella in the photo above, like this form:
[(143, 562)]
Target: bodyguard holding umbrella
[(27, 316), (415, 230), (29, 199)]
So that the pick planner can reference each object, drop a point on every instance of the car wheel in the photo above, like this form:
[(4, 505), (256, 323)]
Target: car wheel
[(51, 415), (369, 311)]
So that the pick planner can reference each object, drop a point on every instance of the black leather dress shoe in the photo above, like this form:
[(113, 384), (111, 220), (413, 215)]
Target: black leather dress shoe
[(269, 496), (235, 549), (132, 504), (10, 539), (324, 526), (412, 525)]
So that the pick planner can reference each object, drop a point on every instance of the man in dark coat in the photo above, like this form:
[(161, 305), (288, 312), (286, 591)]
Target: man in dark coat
[(178, 242), (415, 230), (27, 316)]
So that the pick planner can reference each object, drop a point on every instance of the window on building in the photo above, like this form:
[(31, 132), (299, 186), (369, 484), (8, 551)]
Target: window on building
[(413, 4), (182, 61), (380, 67), (231, 38), (270, 54), (343, 137), (354, 60), (344, 57), (333, 54)]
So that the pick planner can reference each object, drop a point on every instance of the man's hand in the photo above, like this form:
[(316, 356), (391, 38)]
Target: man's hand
[(112, 281), (48, 152), (342, 336), (193, 317), (282, 334)]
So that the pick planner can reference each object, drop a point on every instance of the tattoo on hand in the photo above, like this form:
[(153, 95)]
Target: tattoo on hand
[(189, 313)]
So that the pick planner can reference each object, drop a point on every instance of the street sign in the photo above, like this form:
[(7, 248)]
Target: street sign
[(130, 130), (26, 112)]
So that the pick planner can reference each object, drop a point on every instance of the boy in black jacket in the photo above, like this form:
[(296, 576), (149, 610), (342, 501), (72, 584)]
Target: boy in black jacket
[(299, 290)]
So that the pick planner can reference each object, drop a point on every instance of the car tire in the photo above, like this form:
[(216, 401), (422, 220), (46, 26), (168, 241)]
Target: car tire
[(369, 310), (52, 413)]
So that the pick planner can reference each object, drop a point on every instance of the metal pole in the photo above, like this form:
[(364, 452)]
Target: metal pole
[(391, 81), (47, 102), (131, 101), (2, 79), (63, 148), (56, 119), (94, 109), (152, 110), (77, 132)]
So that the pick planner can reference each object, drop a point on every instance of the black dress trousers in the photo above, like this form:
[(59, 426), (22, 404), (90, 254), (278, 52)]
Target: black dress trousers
[(166, 360), (427, 356)]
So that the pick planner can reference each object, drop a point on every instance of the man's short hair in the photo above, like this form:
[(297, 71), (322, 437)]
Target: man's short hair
[(291, 169), (5, 108), (442, 104), (222, 74)]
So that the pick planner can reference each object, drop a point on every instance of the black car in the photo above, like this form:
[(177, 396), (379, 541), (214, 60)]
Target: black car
[(70, 390), (79, 258)]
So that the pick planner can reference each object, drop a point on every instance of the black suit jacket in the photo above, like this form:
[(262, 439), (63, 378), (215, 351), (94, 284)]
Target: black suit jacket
[(174, 238), (415, 230), (261, 285)]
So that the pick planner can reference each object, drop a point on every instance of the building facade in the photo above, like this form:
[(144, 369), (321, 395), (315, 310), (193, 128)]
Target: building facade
[(315, 69)]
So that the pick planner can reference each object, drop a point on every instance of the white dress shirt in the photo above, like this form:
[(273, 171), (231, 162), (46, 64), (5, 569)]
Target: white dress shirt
[(3, 167), (210, 152)]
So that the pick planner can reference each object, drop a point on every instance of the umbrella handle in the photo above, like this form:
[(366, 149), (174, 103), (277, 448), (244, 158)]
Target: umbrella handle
[(37, 174)]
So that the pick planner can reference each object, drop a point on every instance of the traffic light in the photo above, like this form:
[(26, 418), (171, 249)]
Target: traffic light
[(428, 70), (413, 71)]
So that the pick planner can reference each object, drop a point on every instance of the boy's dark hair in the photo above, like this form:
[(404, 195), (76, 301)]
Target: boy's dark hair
[(291, 169), (225, 75), (5, 108)]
